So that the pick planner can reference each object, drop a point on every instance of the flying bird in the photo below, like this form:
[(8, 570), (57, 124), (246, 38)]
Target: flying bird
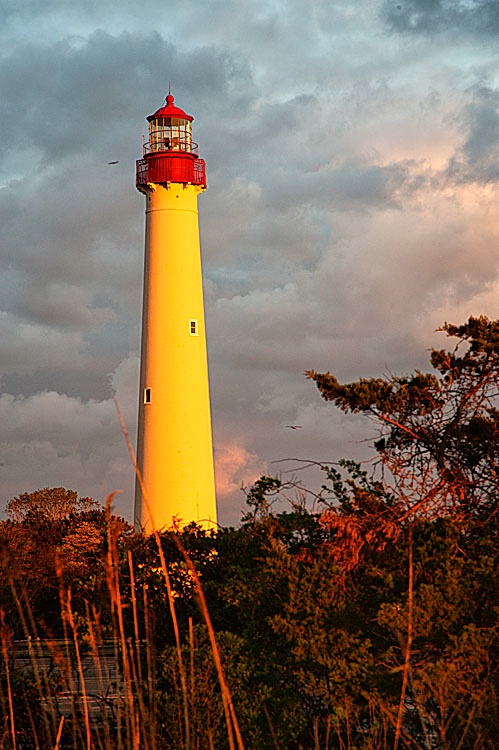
[(294, 426), (113, 162)]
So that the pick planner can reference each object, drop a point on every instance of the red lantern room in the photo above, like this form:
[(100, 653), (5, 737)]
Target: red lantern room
[(170, 155)]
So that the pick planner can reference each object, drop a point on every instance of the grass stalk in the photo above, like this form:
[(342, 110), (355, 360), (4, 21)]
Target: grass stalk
[(93, 621), (150, 661), (135, 616), (166, 576), (59, 734), (408, 644), (112, 576), (83, 687), (5, 654), (65, 661), (41, 680), (230, 714)]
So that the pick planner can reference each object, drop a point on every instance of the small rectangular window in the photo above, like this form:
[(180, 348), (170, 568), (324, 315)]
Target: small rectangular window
[(147, 395), (193, 327)]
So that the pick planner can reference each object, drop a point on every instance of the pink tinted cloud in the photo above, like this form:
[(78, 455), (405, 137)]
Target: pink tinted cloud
[(235, 467)]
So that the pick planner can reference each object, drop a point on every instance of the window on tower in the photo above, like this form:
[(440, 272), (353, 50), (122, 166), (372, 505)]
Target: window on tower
[(147, 395), (193, 327)]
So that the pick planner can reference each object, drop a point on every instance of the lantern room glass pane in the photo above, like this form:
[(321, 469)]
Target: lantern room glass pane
[(170, 134)]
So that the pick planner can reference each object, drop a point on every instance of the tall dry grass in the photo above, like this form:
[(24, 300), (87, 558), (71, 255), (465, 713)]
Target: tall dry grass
[(96, 688)]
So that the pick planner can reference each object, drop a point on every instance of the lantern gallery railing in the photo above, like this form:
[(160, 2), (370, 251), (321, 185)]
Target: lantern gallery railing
[(160, 145), (183, 168)]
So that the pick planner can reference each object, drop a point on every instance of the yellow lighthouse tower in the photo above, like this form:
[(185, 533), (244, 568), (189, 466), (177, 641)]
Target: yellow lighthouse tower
[(174, 445)]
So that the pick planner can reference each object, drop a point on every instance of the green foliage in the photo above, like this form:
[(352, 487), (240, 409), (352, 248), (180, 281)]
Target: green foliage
[(257, 497), (254, 700)]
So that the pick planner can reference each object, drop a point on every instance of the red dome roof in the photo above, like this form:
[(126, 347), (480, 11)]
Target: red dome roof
[(169, 110)]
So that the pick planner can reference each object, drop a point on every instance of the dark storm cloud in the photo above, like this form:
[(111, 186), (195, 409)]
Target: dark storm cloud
[(72, 230), (477, 160), (75, 95), (474, 17)]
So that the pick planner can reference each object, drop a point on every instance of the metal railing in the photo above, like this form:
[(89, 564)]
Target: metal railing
[(166, 166), (170, 144)]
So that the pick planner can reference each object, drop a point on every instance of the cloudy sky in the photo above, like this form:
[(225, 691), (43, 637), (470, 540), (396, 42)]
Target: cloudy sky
[(353, 162)]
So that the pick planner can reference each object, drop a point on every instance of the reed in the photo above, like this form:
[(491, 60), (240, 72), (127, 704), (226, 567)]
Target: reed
[(93, 686)]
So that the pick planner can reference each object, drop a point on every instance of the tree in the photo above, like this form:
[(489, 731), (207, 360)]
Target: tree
[(53, 538), (437, 433), (48, 504), (420, 546)]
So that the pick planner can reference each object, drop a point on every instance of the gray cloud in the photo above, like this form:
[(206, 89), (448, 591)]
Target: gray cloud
[(76, 95), (351, 209), (477, 159), (473, 17)]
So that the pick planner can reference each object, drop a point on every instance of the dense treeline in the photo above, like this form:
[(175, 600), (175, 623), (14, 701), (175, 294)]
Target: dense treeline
[(370, 624)]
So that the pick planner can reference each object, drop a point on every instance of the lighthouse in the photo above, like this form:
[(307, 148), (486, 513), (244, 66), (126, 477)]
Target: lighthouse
[(174, 441)]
